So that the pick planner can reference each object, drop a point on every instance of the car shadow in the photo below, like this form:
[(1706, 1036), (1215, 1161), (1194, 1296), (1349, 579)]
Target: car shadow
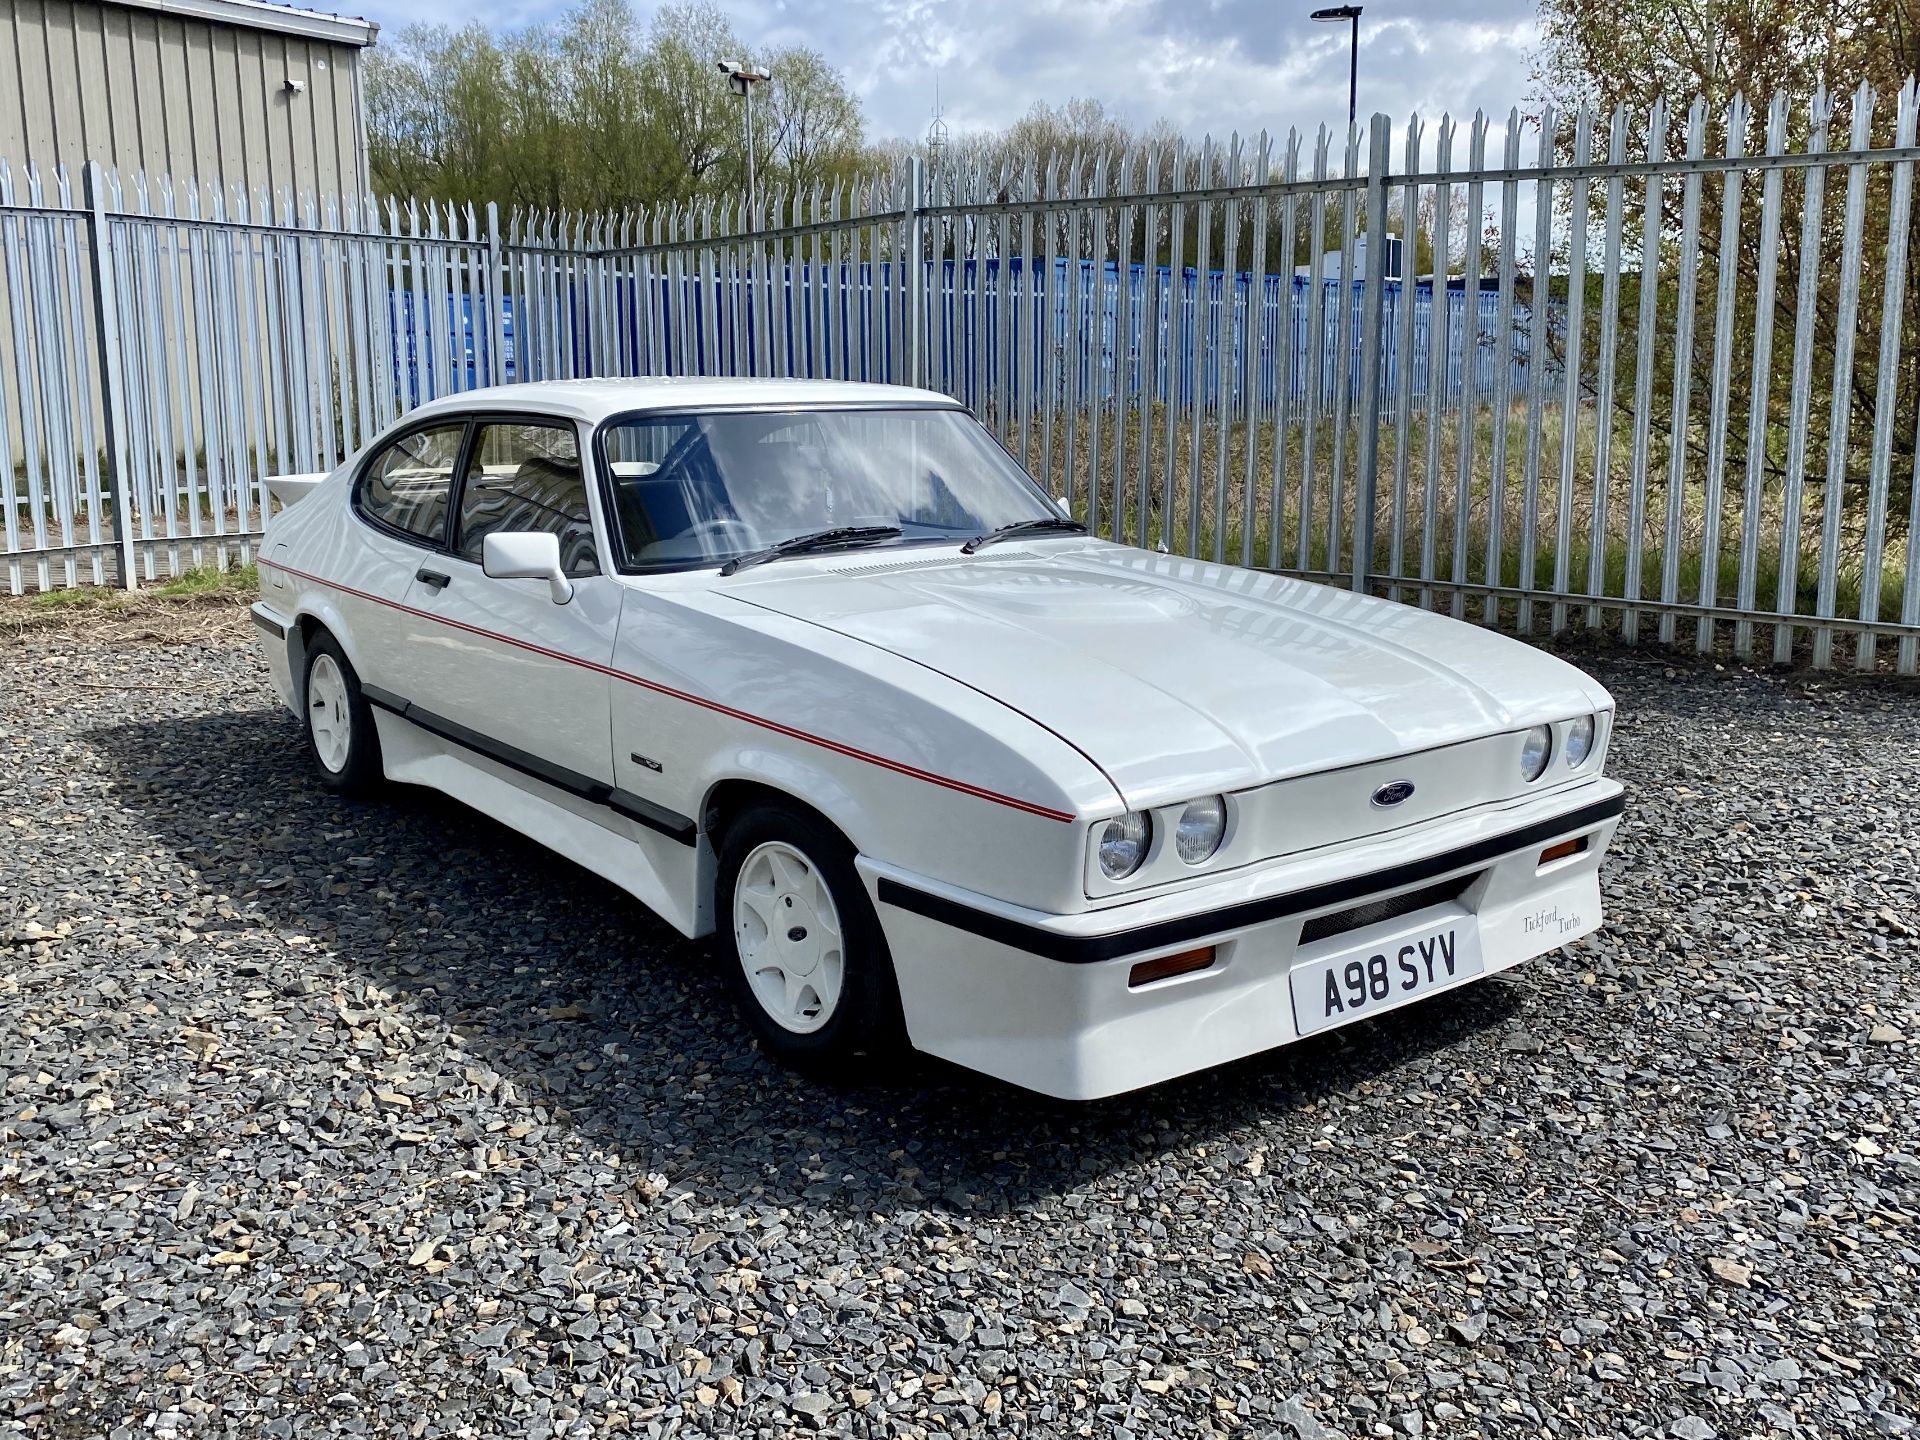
[(599, 1012)]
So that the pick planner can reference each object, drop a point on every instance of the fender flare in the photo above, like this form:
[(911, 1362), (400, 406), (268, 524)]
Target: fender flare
[(315, 604), (794, 776)]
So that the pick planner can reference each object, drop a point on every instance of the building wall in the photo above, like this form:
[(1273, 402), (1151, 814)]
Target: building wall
[(141, 90)]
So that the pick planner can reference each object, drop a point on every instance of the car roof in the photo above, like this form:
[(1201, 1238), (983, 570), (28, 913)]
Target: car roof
[(595, 400)]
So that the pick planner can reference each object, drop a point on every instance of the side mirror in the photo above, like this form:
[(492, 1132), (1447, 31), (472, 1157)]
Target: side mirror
[(1061, 504), (526, 555)]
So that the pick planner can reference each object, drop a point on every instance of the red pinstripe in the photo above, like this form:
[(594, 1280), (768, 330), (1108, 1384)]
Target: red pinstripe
[(897, 766)]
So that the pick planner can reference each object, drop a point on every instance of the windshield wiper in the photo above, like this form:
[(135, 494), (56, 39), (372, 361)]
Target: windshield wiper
[(1022, 527), (812, 540)]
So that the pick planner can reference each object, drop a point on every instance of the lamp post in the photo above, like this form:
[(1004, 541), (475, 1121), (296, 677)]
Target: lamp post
[(740, 80), (1333, 15)]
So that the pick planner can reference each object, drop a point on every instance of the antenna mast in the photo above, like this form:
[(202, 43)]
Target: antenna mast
[(936, 135)]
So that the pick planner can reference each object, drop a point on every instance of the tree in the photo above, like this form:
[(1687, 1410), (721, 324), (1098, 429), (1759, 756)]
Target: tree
[(1672, 50), (435, 108), (1076, 136), (1636, 52), (595, 70), (538, 165), (694, 120), (589, 115), (814, 132)]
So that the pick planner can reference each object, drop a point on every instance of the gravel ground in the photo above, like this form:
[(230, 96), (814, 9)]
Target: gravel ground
[(321, 1118)]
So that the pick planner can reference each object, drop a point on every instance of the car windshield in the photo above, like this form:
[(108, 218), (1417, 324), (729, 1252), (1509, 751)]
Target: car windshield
[(697, 489)]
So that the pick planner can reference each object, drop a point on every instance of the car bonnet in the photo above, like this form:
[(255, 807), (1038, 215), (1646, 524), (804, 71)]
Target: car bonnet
[(1177, 677)]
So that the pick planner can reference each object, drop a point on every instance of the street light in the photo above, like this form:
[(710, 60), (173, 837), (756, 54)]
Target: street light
[(740, 80), (1333, 15)]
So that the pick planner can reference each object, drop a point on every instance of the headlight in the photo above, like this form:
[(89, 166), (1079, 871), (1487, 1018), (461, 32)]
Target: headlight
[(1579, 741), (1535, 751), (1201, 826), (1123, 844)]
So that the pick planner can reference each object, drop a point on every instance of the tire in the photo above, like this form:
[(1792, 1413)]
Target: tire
[(339, 723), (835, 1017)]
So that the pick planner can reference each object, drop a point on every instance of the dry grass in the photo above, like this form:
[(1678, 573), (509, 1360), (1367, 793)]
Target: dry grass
[(198, 606), (1420, 471)]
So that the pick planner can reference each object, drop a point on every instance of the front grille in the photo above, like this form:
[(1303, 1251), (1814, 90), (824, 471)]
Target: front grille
[(1325, 927)]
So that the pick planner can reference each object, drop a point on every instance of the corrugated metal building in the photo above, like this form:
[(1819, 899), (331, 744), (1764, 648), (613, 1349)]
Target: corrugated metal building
[(231, 92)]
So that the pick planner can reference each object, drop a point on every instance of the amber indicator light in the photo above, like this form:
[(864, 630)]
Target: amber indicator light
[(1166, 966)]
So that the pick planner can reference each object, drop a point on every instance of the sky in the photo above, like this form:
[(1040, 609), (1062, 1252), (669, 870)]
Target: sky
[(1209, 66)]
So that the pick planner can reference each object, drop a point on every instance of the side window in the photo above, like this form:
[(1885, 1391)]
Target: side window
[(528, 477), (409, 485)]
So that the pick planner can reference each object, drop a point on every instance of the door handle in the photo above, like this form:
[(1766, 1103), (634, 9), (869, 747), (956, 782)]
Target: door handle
[(432, 579)]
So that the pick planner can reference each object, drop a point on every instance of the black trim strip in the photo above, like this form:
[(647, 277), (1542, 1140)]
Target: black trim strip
[(272, 627), (384, 700), (654, 817), (1091, 949), (571, 781), (622, 802)]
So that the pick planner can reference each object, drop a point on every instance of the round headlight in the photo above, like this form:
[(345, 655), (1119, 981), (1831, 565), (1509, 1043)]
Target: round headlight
[(1123, 844), (1535, 751), (1579, 741), (1201, 826)]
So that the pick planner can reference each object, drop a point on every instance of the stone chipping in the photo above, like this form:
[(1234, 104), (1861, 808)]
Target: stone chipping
[(320, 1118)]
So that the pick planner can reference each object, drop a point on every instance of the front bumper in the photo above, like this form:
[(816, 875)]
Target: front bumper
[(1043, 1000)]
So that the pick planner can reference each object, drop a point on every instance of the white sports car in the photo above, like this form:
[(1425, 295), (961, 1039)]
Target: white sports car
[(818, 667)]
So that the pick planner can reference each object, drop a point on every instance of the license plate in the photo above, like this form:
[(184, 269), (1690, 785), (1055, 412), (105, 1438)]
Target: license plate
[(1368, 979)]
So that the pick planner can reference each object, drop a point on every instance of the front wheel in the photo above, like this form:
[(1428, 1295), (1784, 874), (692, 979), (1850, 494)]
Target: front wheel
[(803, 951), (340, 734)]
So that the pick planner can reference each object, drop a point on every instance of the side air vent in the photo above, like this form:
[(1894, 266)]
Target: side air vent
[(1358, 917)]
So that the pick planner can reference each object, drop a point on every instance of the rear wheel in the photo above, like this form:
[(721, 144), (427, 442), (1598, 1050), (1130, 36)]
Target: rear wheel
[(803, 951), (340, 734)]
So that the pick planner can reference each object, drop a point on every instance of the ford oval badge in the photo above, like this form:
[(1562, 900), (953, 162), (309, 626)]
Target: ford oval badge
[(1394, 792)]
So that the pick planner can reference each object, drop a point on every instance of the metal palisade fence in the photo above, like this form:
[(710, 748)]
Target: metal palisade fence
[(1656, 373)]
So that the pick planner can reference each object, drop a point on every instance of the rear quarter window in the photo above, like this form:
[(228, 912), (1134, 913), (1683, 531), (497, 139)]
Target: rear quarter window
[(408, 486)]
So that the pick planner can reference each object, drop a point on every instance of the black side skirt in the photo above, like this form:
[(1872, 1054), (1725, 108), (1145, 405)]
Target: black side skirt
[(1090, 949), (622, 802)]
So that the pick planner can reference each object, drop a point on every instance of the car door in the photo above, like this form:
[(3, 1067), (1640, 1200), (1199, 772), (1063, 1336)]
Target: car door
[(403, 498), (501, 668)]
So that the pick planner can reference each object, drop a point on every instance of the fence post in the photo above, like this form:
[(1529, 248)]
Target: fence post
[(106, 319), (496, 300), (916, 276), (1372, 307)]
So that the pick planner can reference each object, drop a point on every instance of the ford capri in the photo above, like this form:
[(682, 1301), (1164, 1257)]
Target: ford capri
[(818, 669)]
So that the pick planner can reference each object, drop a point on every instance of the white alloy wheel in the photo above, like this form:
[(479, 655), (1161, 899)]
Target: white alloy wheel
[(329, 713), (787, 930)]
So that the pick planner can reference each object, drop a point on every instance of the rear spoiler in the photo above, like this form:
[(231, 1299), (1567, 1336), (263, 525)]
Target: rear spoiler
[(291, 489)]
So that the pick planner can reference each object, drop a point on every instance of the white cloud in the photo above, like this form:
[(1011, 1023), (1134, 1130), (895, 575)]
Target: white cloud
[(1206, 65)]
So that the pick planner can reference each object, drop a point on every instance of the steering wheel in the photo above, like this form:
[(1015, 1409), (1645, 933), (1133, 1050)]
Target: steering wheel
[(720, 529), (678, 453)]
